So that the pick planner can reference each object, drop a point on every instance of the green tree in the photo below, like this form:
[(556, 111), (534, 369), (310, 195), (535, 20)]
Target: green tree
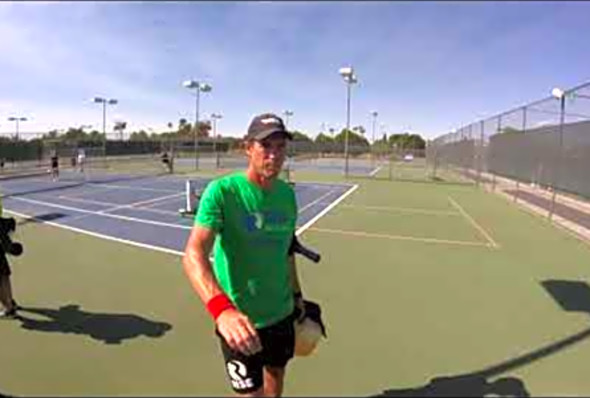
[(51, 135), (204, 128), (353, 138), (407, 141), (184, 129), (323, 139), (120, 127), (74, 134), (359, 130), (140, 135), (299, 136), (95, 135)]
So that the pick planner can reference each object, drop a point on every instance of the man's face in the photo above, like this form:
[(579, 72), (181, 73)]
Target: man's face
[(267, 156)]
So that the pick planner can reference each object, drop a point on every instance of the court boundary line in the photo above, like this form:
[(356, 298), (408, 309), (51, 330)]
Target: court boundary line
[(96, 234), (407, 210), (107, 204), (89, 212), (121, 187), (320, 183), (400, 237), (474, 223), (142, 202), (313, 202), (377, 169), (322, 213)]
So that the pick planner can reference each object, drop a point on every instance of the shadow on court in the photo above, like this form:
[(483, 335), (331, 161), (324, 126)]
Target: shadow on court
[(108, 328), (571, 296), (42, 218), (464, 386)]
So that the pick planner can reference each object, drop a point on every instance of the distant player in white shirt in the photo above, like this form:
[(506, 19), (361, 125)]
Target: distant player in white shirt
[(81, 159)]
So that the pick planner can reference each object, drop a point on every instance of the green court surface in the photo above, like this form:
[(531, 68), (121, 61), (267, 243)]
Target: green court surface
[(427, 288)]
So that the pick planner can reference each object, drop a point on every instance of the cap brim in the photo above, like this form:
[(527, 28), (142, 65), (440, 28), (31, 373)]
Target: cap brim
[(265, 134)]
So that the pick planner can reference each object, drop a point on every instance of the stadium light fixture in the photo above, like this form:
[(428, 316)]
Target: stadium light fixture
[(104, 102), (199, 88), (17, 119), (347, 73)]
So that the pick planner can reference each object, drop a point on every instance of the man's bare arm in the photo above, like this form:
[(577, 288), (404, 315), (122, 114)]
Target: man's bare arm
[(232, 324), (197, 265)]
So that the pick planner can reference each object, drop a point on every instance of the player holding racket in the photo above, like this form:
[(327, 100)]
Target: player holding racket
[(252, 289)]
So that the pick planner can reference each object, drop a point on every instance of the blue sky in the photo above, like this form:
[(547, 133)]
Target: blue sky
[(427, 67)]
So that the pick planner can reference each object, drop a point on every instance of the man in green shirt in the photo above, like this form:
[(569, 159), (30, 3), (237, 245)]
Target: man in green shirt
[(252, 289)]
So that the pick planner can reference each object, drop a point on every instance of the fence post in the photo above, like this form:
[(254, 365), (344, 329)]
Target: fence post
[(497, 132), (523, 132), (557, 171), (479, 153)]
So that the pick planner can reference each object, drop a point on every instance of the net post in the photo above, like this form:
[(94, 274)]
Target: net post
[(188, 196)]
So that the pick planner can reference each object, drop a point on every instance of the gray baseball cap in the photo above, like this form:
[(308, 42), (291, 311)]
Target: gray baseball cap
[(262, 126)]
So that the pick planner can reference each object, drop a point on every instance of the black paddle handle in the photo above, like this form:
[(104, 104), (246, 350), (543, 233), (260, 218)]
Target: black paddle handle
[(304, 251)]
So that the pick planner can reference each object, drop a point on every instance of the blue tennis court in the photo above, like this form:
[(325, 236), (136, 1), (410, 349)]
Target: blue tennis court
[(138, 210)]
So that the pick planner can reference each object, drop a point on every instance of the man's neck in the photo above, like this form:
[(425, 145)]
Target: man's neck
[(261, 181)]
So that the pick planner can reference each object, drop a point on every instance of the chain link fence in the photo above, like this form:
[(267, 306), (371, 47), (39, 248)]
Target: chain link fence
[(541, 148)]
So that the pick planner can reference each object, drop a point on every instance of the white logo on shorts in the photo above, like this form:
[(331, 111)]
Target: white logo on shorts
[(238, 375)]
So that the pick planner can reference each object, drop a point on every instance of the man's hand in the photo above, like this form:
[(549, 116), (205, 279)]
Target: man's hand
[(238, 331)]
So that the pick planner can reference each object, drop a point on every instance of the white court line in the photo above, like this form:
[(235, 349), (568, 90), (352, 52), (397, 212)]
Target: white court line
[(106, 204), (323, 183), (307, 206), (474, 223), (95, 234), (372, 173), (138, 220), (400, 237), (407, 210), (143, 202), (113, 186), (308, 224)]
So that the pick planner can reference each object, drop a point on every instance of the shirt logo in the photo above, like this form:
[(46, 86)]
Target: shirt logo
[(254, 221), (268, 221)]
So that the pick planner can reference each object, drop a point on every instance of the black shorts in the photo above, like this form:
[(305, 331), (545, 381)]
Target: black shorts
[(4, 266), (245, 371)]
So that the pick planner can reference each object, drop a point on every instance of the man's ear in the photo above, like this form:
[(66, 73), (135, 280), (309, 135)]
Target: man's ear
[(247, 145)]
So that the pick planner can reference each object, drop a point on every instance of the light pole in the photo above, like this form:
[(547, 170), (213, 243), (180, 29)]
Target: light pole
[(287, 113), (374, 114), (17, 119), (198, 87), (560, 95), (214, 118), (104, 102), (349, 77)]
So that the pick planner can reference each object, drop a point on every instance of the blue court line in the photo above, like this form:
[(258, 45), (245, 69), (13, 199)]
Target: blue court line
[(126, 214)]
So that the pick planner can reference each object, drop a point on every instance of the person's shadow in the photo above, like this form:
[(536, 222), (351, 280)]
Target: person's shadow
[(108, 328), (571, 296)]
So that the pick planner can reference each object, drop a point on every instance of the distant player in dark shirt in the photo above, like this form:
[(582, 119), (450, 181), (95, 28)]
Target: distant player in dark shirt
[(167, 161), (54, 166)]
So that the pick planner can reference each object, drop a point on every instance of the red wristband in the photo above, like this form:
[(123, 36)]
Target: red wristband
[(218, 304)]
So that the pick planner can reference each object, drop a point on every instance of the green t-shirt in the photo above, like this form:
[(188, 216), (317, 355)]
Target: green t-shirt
[(254, 231)]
